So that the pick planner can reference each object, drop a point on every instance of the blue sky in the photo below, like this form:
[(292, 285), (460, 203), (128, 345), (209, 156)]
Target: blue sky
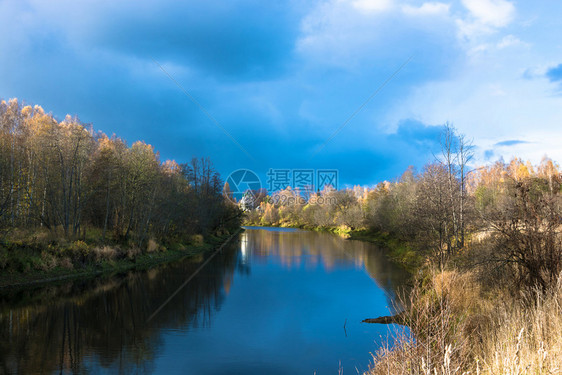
[(282, 76)]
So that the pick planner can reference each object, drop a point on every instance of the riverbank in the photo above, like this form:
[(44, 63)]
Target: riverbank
[(399, 251), (466, 319), (35, 263), (462, 326)]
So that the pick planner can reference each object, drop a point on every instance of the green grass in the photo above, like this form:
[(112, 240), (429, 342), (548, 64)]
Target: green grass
[(28, 263), (398, 250)]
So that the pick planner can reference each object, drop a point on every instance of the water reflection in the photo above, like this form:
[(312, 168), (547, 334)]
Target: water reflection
[(296, 247), (223, 319)]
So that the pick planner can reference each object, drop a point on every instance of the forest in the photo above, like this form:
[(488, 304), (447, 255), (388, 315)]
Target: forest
[(484, 246), (70, 196)]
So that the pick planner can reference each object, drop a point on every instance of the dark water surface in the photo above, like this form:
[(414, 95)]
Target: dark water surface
[(275, 301)]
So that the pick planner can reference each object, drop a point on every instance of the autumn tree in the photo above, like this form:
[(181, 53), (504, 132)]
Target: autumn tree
[(525, 225), (63, 177)]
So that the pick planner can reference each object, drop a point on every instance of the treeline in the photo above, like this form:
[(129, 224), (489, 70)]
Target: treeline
[(66, 179), (510, 212)]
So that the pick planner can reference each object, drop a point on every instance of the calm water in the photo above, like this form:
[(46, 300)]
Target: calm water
[(273, 302)]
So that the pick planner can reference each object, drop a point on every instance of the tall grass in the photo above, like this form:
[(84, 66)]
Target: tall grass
[(456, 329)]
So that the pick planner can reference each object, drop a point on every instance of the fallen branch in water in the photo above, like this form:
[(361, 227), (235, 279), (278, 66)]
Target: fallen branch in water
[(390, 319)]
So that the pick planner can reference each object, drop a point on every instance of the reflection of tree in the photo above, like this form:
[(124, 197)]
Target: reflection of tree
[(321, 248), (83, 324), (107, 321)]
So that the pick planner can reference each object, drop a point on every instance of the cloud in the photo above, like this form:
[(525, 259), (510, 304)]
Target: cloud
[(495, 13), (372, 5), (427, 9), (555, 74), (419, 134), (233, 40), (374, 158), (282, 76), (497, 90), (485, 17), (491, 100), (509, 41), (510, 143), (335, 34), (539, 71)]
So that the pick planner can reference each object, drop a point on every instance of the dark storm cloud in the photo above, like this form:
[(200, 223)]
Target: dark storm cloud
[(418, 134), (380, 158), (233, 39), (240, 60)]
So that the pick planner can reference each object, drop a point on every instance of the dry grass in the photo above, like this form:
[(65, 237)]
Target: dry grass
[(197, 239), (105, 253), (66, 263), (35, 236), (527, 335), (132, 252), (455, 330), (152, 246)]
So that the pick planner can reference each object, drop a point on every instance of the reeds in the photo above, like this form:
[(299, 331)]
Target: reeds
[(454, 329)]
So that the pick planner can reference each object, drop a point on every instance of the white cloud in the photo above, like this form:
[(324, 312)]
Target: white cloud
[(497, 90), (337, 33), (471, 30), (342, 33), (509, 41), (495, 13), (372, 5), (489, 101), (539, 71), (427, 9), (484, 18)]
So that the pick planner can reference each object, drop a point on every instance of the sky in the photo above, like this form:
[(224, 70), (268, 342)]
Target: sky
[(267, 84)]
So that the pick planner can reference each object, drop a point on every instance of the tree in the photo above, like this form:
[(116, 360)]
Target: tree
[(433, 211), (526, 231), (465, 153), (63, 177)]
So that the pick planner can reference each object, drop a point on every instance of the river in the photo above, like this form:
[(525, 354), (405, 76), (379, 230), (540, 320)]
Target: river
[(273, 301)]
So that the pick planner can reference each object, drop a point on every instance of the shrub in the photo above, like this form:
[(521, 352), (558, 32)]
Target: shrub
[(132, 252), (66, 263), (152, 246), (104, 253), (48, 261), (197, 239), (79, 250)]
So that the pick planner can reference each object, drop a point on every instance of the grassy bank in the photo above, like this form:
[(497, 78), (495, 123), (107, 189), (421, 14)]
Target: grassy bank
[(37, 259), (461, 326), (399, 251), (462, 320)]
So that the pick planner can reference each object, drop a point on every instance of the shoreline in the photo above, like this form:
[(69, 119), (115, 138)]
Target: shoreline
[(105, 268)]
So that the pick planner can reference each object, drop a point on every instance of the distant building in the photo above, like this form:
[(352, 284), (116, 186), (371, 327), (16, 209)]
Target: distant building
[(248, 201)]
